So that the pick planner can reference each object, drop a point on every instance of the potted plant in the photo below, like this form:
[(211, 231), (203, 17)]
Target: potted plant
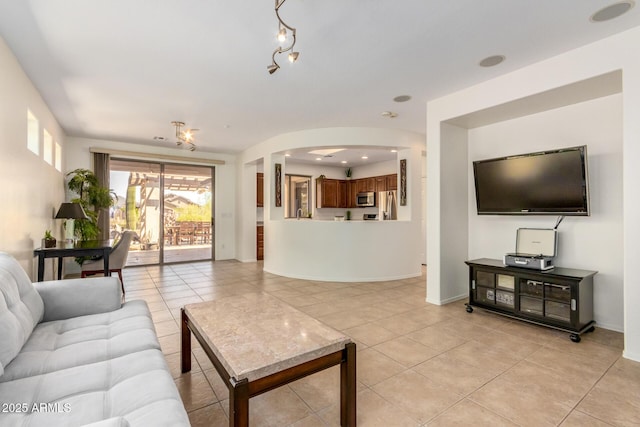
[(48, 241), (347, 172), (348, 215), (93, 198)]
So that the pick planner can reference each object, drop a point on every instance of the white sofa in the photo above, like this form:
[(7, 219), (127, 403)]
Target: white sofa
[(71, 354)]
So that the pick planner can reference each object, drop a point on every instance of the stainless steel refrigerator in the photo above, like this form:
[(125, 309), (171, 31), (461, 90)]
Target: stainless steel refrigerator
[(387, 205)]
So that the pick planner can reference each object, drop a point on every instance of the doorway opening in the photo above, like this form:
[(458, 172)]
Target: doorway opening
[(297, 195)]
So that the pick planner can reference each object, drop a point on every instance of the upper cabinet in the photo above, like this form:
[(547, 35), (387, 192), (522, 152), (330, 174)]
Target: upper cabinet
[(340, 193), (366, 184), (392, 182), (332, 193), (260, 190), (352, 193)]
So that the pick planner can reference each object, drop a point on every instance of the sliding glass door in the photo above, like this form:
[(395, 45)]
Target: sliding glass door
[(188, 218), (168, 206)]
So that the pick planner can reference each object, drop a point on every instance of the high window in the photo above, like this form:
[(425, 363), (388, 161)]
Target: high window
[(47, 151), (58, 157), (33, 133)]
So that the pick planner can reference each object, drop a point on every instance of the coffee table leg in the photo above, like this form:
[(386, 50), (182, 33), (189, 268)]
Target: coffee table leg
[(348, 387), (185, 350), (239, 403)]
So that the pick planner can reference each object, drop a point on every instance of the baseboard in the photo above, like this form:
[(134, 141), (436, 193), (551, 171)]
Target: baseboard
[(448, 300)]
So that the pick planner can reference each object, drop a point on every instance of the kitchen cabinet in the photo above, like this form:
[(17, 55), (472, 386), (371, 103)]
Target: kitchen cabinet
[(392, 181), (561, 298), (352, 191), (332, 193), (260, 190), (366, 184), (260, 242), (361, 185), (327, 193), (342, 194)]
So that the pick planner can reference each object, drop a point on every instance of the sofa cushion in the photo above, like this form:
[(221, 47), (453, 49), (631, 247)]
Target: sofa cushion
[(83, 340), (21, 308), (137, 387)]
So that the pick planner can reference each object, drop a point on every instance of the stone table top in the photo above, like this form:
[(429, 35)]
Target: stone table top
[(256, 335)]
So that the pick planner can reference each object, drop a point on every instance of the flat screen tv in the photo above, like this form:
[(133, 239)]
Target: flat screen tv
[(545, 183)]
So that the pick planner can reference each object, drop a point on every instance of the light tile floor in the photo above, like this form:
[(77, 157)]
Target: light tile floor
[(417, 364)]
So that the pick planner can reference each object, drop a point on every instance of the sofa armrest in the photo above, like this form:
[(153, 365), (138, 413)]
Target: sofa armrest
[(64, 299)]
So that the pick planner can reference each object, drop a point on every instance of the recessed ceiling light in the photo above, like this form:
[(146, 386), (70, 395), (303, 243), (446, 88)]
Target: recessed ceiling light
[(612, 11), (318, 158), (344, 161), (492, 61), (394, 151), (159, 138), (287, 155), (402, 98), (389, 114), (365, 157)]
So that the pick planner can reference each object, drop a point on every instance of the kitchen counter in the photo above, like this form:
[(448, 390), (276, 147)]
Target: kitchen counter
[(345, 251)]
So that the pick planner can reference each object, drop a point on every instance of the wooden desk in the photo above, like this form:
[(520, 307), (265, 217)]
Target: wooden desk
[(62, 250), (258, 343)]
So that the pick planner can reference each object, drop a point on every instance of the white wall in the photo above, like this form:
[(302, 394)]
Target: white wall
[(376, 169), (590, 243), (31, 190), (79, 156), (538, 83)]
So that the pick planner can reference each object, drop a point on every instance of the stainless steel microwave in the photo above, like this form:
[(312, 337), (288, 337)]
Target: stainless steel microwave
[(366, 199)]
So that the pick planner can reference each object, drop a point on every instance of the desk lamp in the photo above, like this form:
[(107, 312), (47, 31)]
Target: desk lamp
[(70, 212)]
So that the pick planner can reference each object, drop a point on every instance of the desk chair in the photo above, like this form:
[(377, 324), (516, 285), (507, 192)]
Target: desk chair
[(117, 259)]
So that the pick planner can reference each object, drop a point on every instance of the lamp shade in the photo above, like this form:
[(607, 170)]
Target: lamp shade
[(71, 211)]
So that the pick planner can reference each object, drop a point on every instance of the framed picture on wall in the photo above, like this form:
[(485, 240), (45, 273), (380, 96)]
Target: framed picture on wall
[(278, 181), (403, 182)]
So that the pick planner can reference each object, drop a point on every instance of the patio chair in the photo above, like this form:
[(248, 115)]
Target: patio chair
[(117, 259)]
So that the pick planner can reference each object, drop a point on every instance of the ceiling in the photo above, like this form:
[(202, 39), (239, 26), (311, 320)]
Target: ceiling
[(123, 70)]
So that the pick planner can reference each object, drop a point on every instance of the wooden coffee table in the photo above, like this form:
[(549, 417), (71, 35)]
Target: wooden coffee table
[(258, 343)]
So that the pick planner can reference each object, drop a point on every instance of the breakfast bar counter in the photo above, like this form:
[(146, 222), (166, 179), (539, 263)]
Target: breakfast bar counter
[(343, 251)]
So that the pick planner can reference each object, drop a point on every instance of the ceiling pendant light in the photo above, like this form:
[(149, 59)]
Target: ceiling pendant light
[(282, 37), (184, 136)]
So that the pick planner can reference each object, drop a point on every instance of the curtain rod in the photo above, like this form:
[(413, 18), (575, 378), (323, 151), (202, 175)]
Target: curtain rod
[(154, 156)]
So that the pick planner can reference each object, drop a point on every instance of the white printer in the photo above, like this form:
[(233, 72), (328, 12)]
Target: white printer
[(535, 249)]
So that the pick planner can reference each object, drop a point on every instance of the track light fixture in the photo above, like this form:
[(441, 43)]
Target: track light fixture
[(184, 136), (282, 37)]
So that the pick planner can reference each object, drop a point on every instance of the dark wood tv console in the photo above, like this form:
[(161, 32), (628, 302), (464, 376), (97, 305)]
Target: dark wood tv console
[(561, 298)]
